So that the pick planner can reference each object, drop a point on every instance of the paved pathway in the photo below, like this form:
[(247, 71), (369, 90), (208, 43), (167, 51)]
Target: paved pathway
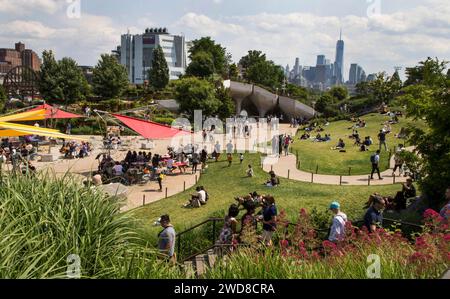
[(286, 167)]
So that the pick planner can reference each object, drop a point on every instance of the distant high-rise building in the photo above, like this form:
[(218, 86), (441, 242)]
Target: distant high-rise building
[(339, 62), (136, 53), (371, 77), (320, 60), (297, 68), (356, 74), (287, 71)]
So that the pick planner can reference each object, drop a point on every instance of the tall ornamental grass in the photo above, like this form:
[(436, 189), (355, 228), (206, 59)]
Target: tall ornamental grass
[(44, 220)]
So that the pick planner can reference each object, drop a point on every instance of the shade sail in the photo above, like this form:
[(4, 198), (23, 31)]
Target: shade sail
[(10, 130), (55, 113), (25, 116), (149, 129)]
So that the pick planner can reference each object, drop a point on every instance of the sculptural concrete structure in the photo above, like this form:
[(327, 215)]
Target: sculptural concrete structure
[(266, 101)]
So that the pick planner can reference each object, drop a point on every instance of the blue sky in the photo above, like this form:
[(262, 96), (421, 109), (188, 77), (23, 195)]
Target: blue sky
[(379, 34)]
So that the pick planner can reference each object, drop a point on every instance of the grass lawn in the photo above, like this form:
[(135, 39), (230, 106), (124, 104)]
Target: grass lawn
[(330, 161), (225, 183)]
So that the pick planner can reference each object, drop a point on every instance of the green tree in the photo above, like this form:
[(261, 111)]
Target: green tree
[(110, 79), (252, 58), (426, 72), (202, 65), (72, 83), (362, 89), (218, 53), (227, 107), (49, 87), (3, 98), (427, 98), (324, 101), (193, 93), (233, 72), (339, 93), (383, 89), (159, 73), (265, 73)]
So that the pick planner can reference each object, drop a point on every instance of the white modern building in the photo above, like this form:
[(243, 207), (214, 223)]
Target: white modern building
[(136, 53)]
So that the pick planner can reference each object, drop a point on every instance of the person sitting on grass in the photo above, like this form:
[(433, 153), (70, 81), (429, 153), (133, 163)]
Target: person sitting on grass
[(273, 181), (340, 145), (305, 136), (197, 199), (250, 171)]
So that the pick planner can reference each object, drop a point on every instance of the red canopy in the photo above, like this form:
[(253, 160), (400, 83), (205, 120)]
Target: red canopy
[(55, 113), (149, 129)]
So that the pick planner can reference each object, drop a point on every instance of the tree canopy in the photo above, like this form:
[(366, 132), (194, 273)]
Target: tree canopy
[(202, 65), (193, 93), (219, 55), (427, 97), (258, 70), (159, 73), (61, 80), (110, 79)]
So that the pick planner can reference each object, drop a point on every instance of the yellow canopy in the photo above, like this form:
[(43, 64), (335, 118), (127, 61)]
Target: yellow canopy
[(25, 116), (10, 130)]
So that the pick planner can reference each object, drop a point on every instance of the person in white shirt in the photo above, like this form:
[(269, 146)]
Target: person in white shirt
[(230, 147), (202, 196), (217, 151), (337, 231)]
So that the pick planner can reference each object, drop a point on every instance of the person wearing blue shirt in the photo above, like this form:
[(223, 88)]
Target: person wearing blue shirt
[(269, 220), (374, 215)]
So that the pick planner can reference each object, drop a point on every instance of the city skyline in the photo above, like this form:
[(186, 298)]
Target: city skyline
[(399, 34)]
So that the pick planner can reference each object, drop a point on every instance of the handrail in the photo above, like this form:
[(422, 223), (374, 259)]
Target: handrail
[(200, 224)]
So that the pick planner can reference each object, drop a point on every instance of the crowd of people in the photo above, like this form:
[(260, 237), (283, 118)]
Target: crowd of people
[(19, 154), (73, 149)]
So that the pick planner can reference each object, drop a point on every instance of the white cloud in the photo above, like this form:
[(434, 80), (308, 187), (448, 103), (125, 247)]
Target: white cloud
[(377, 43), (27, 6)]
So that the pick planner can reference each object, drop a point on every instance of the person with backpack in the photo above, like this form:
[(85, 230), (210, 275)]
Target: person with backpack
[(375, 160), (337, 230)]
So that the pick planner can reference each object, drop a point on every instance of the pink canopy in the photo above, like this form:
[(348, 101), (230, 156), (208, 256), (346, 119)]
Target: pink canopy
[(52, 112), (149, 129)]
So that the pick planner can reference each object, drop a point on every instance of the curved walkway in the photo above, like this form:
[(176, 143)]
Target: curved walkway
[(286, 167)]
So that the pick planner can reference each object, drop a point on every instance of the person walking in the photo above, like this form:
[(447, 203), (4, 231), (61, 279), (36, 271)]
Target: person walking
[(167, 238), (382, 139), (337, 230), (375, 160)]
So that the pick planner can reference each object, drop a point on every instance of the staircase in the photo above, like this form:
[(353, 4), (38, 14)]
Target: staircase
[(197, 266)]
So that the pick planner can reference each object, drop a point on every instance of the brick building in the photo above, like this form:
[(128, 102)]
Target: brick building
[(10, 58)]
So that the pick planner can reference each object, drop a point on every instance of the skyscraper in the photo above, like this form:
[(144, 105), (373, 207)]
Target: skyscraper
[(296, 69), (339, 62), (320, 60), (356, 74)]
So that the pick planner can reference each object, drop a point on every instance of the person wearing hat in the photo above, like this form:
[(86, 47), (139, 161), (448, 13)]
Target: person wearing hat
[(166, 237), (337, 230)]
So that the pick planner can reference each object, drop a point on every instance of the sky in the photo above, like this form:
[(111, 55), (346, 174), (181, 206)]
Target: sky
[(378, 34)]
